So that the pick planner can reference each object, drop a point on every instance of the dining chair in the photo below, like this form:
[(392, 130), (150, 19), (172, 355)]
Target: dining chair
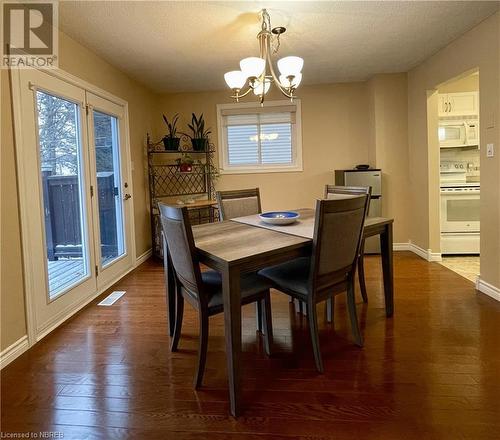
[(330, 270), (333, 192), (239, 203), (203, 289)]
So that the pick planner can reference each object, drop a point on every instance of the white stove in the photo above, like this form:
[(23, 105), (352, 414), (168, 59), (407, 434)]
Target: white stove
[(460, 198)]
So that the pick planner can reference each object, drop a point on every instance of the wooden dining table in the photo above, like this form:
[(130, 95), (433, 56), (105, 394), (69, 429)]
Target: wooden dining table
[(235, 247)]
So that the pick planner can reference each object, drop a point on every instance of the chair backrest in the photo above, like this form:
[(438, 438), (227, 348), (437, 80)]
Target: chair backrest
[(338, 231), (238, 203), (183, 256), (334, 192)]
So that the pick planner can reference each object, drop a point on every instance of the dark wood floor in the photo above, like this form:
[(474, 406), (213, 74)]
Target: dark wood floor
[(430, 372)]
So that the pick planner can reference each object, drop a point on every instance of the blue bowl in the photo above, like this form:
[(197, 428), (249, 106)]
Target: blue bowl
[(279, 217)]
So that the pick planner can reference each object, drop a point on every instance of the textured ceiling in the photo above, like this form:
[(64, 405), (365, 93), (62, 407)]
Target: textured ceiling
[(188, 46)]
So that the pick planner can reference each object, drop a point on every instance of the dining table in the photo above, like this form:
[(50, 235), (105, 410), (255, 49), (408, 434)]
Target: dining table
[(246, 244)]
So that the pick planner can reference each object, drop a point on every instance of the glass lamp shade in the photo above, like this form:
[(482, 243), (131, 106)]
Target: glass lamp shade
[(290, 66), (262, 87), (252, 66), (235, 79), (295, 81)]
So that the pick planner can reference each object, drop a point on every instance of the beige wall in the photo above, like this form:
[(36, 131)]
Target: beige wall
[(482, 46), (334, 135), (337, 133), (84, 64), (387, 95), (469, 83)]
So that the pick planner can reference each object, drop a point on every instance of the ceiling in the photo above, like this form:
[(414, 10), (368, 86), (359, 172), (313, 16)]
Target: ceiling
[(188, 46)]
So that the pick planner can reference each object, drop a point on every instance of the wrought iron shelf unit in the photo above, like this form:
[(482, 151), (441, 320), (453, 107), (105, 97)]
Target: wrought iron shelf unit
[(169, 185)]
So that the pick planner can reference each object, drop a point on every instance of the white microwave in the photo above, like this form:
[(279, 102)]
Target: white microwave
[(458, 133)]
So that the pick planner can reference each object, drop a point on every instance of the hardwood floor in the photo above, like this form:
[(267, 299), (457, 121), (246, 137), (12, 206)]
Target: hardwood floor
[(430, 372)]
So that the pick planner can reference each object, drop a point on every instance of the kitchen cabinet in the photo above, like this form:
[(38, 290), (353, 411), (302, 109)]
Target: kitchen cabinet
[(458, 104)]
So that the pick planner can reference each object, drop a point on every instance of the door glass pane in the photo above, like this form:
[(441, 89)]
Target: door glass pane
[(107, 158), (62, 189)]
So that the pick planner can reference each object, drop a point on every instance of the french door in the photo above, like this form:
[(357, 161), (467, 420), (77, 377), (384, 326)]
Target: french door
[(76, 219)]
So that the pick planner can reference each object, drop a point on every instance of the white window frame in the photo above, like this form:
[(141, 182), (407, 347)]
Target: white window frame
[(224, 166)]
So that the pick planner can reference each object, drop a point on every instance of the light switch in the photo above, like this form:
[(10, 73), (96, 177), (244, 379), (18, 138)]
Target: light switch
[(490, 150)]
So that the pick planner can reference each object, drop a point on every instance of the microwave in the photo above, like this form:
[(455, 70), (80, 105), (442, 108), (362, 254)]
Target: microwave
[(458, 133)]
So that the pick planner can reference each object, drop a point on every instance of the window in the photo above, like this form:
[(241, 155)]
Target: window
[(255, 139)]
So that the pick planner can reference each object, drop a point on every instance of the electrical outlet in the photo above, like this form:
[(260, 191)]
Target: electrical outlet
[(490, 150)]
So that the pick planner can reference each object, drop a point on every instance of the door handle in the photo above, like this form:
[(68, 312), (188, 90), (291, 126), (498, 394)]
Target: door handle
[(127, 196)]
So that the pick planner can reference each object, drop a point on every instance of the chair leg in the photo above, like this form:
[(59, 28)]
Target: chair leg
[(312, 317), (258, 315), (202, 349), (351, 305), (268, 324), (179, 313), (361, 272), (330, 309)]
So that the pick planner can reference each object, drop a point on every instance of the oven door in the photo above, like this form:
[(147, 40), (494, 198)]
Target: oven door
[(460, 210), (452, 134)]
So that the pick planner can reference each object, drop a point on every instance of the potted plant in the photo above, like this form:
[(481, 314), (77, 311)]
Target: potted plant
[(170, 140), (199, 135), (185, 163)]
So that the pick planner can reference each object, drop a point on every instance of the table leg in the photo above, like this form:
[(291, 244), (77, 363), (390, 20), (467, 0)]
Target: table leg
[(169, 286), (232, 330), (387, 268)]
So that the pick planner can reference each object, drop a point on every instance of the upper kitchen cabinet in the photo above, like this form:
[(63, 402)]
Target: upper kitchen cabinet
[(458, 104)]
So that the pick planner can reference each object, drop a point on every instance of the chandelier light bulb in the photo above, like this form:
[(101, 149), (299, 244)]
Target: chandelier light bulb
[(290, 65), (235, 79), (252, 66), (262, 87), (285, 82)]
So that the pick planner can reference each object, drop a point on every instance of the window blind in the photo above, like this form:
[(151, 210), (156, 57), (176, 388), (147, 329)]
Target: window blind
[(259, 138)]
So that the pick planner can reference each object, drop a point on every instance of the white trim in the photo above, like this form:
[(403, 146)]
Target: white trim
[(13, 351), (401, 247), (425, 254), (434, 256), (487, 289), (297, 166), (143, 257)]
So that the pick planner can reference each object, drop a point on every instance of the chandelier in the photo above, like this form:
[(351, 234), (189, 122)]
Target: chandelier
[(257, 73)]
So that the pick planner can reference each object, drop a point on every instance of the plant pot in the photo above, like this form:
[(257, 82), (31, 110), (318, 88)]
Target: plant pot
[(185, 167), (199, 144), (171, 144)]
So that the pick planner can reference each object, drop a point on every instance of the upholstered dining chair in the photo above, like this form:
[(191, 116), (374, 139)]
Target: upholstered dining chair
[(330, 269), (239, 203), (333, 192), (203, 290)]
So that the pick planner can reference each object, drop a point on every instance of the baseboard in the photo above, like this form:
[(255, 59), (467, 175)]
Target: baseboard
[(13, 351), (427, 255), (143, 257), (488, 289), (401, 246)]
